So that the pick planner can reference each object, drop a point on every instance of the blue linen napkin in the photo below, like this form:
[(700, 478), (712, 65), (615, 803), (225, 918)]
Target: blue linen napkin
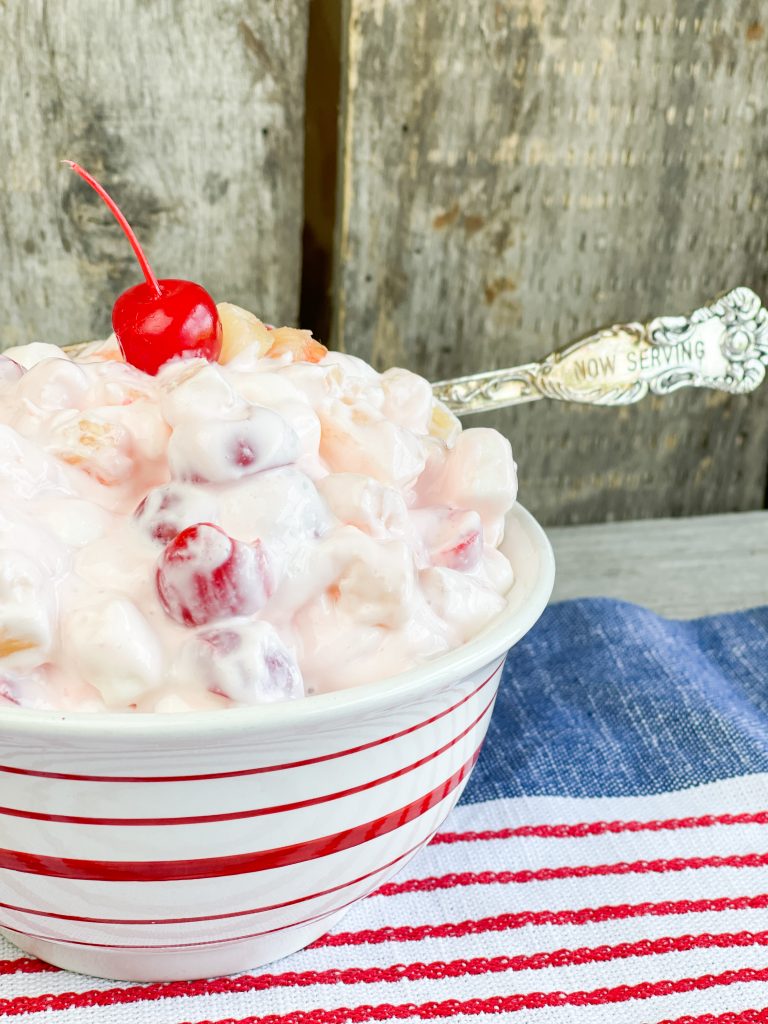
[(604, 698)]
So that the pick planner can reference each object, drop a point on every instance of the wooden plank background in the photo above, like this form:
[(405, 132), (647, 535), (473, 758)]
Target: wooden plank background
[(517, 173), (191, 113), (510, 174), (667, 564)]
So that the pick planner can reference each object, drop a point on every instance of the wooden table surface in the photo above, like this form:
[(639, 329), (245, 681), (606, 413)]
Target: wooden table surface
[(678, 567)]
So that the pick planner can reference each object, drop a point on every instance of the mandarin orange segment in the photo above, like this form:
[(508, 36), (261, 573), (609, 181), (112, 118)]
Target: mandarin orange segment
[(300, 344), (10, 644)]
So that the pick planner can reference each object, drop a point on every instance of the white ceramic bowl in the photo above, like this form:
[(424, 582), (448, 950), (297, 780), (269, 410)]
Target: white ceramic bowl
[(164, 847)]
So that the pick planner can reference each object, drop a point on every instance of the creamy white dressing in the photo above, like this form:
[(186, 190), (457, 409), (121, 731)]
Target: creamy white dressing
[(378, 527)]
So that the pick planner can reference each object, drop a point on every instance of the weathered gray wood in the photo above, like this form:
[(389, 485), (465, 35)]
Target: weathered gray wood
[(190, 112), (678, 567), (517, 173)]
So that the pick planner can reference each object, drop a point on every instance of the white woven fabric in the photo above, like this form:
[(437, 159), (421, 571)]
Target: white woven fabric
[(673, 924)]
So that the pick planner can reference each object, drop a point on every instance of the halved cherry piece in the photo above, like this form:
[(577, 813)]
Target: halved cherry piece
[(204, 575), (245, 662)]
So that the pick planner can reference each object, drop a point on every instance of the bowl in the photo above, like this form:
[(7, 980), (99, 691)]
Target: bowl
[(167, 847)]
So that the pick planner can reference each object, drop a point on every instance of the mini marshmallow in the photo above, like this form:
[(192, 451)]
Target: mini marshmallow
[(114, 648), (217, 451), (191, 390), (377, 588), (247, 664), (26, 611), (462, 602), (356, 499), (54, 384), (407, 399), (355, 440)]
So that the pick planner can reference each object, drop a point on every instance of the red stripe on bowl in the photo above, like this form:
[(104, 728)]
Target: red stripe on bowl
[(288, 926), (237, 864), (201, 819), (214, 917), (185, 945)]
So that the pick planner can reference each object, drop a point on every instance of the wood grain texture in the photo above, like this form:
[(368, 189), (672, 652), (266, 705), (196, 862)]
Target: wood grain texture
[(515, 174), (683, 568), (191, 112)]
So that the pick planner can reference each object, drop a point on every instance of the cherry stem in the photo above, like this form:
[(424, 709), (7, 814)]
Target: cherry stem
[(120, 218)]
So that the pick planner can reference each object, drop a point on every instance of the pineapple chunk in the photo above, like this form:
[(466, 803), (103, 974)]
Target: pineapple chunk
[(92, 443), (443, 424), (240, 329)]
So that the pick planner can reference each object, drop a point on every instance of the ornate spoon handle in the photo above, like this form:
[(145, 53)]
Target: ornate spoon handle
[(723, 346)]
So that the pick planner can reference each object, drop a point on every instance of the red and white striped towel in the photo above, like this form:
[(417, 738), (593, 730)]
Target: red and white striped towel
[(544, 910)]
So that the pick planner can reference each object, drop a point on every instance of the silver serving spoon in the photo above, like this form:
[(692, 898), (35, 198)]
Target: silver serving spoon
[(723, 346)]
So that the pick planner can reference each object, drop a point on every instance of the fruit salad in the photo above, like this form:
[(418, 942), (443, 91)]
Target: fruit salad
[(280, 523)]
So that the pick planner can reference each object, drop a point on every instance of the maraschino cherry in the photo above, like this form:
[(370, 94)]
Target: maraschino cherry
[(157, 321), (204, 575)]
